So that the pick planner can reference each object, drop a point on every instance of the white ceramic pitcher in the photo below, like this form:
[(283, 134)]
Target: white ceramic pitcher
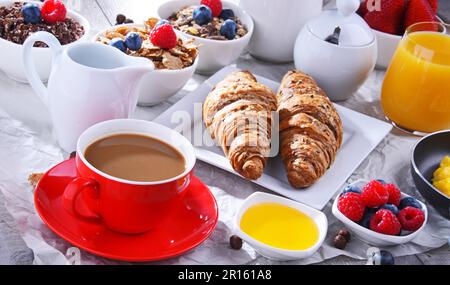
[(277, 24), (340, 70), (89, 83)]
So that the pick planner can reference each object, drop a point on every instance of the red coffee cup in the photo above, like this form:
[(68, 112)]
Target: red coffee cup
[(126, 206)]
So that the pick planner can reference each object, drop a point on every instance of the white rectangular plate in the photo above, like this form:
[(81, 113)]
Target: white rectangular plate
[(361, 135)]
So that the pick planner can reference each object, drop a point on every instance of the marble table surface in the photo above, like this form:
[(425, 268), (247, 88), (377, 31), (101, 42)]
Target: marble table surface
[(390, 160)]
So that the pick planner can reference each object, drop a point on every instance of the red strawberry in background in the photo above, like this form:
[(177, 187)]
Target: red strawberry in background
[(368, 6), (389, 17), (434, 5), (362, 11), (420, 11)]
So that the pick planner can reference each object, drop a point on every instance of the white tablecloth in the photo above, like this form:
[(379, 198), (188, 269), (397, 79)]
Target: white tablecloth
[(27, 146)]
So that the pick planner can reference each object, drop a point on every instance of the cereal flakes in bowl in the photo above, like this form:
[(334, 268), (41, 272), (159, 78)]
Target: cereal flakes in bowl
[(173, 67), (217, 48)]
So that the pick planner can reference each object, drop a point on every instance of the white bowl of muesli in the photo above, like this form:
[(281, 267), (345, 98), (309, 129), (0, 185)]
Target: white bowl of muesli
[(14, 31), (173, 67), (216, 51)]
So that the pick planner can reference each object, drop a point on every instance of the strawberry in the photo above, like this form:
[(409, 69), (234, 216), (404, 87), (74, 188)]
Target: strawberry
[(434, 5), (363, 10), (388, 18), (420, 11), (367, 6)]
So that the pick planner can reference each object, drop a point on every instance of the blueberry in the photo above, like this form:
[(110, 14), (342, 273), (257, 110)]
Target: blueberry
[(391, 208), (119, 44), (229, 29), (365, 222), (351, 189), (202, 15), (410, 202), (120, 19), (162, 22), (382, 181), (383, 258), (226, 14), (31, 13), (133, 41)]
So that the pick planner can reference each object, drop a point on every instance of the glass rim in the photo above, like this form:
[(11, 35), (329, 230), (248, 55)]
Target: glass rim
[(410, 31), (446, 27)]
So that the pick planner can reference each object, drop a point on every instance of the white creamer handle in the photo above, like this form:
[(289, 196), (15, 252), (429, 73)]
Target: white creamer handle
[(30, 68)]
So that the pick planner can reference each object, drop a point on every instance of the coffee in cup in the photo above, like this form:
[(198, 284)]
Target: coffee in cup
[(135, 157)]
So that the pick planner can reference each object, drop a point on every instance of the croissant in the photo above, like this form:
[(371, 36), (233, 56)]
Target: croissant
[(311, 130), (238, 115)]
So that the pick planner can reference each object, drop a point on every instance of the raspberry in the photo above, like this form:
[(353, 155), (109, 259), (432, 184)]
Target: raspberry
[(164, 36), (385, 222), (53, 11), (374, 194), (352, 206), (214, 5), (411, 218), (394, 194)]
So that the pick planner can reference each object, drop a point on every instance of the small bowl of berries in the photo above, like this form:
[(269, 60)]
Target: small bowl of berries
[(379, 213), (222, 29), (18, 20), (175, 57), (389, 20)]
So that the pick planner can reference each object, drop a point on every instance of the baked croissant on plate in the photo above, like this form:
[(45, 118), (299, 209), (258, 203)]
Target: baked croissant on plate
[(310, 129), (238, 115)]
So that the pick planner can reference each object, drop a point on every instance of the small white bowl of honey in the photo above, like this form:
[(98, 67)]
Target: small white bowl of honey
[(279, 228)]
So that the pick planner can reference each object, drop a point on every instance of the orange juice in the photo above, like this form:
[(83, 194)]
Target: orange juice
[(416, 90), (280, 226)]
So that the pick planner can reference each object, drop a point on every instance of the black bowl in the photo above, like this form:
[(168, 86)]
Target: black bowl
[(427, 155)]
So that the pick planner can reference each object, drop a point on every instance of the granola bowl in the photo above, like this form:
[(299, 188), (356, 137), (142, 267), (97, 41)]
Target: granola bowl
[(164, 81), (11, 53), (215, 54)]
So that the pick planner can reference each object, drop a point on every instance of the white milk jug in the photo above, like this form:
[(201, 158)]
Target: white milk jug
[(89, 83)]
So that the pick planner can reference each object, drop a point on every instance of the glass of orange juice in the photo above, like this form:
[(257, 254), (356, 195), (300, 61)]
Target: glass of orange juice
[(416, 90)]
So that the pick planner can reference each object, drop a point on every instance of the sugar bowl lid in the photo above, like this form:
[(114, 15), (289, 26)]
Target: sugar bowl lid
[(342, 26)]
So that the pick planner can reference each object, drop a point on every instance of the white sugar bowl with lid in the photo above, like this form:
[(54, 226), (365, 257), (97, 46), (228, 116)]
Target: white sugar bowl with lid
[(338, 49)]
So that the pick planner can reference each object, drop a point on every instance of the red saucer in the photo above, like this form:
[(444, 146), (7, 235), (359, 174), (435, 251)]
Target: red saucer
[(187, 227)]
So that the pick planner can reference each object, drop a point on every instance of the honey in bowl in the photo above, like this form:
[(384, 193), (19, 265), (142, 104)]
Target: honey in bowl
[(280, 226)]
